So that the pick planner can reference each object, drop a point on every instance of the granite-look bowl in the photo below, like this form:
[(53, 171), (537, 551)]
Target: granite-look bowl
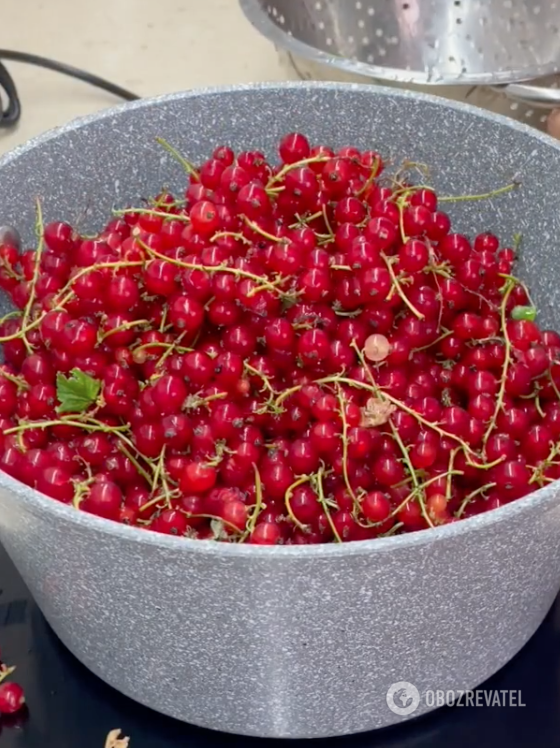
[(292, 641)]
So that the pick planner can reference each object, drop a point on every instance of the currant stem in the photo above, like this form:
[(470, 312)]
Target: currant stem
[(123, 327), (507, 360), (289, 167), (6, 671), (484, 196), (371, 178), (18, 381), (398, 288), (412, 472), (188, 167), (98, 426), (240, 237), (150, 212), (466, 501), (287, 498), (401, 202), (385, 395), (212, 269), (261, 232), (348, 483), (39, 230), (171, 348), (123, 446), (323, 502), (259, 503)]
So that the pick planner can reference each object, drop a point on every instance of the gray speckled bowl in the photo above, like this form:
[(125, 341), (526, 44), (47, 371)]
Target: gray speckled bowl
[(294, 641)]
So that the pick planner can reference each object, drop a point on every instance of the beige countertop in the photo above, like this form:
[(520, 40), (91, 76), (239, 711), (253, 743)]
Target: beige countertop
[(144, 46)]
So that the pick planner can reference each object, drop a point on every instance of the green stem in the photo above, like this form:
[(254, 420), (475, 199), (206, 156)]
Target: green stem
[(398, 288), (507, 360), (483, 196), (406, 457), (150, 212), (323, 502), (287, 498), (188, 167)]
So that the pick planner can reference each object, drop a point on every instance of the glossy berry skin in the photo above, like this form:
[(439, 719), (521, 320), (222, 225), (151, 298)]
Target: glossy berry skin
[(12, 698), (197, 478), (287, 352)]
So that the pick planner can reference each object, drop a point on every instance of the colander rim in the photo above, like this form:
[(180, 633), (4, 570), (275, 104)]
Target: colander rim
[(253, 11)]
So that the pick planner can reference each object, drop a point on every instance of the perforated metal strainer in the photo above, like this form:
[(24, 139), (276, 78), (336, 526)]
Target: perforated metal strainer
[(489, 51)]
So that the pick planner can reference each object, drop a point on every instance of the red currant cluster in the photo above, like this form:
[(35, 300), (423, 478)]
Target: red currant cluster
[(301, 353), (11, 694)]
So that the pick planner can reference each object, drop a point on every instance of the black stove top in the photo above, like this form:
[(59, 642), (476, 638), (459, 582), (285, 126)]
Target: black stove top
[(68, 707)]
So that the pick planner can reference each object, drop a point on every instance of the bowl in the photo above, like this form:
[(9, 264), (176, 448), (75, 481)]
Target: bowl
[(292, 642)]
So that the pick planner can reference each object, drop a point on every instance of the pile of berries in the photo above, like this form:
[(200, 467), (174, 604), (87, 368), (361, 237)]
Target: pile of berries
[(11, 694), (294, 353)]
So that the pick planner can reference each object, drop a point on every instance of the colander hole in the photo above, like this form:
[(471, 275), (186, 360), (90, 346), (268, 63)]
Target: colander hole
[(321, 25), (371, 11), (358, 5), (274, 12), (370, 58), (318, 5), (458, 20), (361, 24), (514, 106), (543, 119), (382, 51), (537, 10), (529, 113), (328, 41), (351, 40), (508, 4), (365, 41), (281, 20), (379, 32), (405, 6)]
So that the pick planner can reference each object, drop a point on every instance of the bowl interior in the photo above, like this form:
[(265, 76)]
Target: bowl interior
[(81, 171)]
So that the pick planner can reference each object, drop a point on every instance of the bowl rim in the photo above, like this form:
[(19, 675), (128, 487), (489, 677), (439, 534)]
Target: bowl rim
[(39, 505)]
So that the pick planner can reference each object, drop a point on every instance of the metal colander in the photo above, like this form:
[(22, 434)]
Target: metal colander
[(490, 52)]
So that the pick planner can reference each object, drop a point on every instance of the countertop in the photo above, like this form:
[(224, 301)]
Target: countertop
[(144, 46)]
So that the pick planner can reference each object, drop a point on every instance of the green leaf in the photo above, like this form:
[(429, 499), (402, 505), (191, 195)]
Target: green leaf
[(528, 313), (77, 392)]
